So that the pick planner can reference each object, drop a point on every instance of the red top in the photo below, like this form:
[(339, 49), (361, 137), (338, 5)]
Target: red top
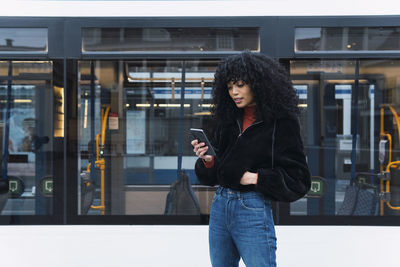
[(248, 119)]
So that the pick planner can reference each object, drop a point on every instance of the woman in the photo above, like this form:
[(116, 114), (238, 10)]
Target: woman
[(259, 158)]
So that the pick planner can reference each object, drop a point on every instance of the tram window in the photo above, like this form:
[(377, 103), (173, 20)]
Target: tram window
[(347, 39), (170, 39), (146, 134), (324, 89), (384, 77), (351, 134), (23, 39), (27, 136)]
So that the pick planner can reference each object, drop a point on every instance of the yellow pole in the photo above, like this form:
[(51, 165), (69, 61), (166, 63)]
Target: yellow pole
[(97, 147), (104, 126), (382, 113), (396, 117), (102, 197), (100, 162)]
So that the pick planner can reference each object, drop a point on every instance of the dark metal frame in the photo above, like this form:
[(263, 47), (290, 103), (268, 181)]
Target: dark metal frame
[(64, 44)]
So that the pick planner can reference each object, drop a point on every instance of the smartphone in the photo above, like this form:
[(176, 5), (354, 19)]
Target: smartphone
[(202, 138)]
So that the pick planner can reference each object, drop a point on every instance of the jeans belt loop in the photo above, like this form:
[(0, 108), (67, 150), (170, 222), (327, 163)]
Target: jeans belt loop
[(222, 189)]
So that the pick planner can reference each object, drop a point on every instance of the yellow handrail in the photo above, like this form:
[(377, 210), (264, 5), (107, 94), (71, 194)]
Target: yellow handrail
[(393, 163), (390, 163), (396, 117), (100, 162), (97, 146), (103, 126), (88, 167)]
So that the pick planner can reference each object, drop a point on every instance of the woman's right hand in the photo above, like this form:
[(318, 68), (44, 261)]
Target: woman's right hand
[(200, 149)]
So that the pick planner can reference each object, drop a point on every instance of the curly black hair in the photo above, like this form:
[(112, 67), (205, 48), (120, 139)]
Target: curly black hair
[(269, 83)]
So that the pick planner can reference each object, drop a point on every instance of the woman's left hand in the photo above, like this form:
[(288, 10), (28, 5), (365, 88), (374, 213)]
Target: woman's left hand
[(249, 178)]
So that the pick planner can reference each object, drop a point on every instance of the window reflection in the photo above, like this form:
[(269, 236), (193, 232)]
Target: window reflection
[(385, 74), (323, 87), (170, 39), (146, 134), (347, 39), (350, 133), (27, 136), (23, 39)]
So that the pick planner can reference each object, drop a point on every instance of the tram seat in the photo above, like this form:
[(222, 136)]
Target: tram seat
[(4, 187), (361, 198), (87, 192), (181, 199)]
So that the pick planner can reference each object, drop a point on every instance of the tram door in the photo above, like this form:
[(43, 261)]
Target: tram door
[(28, 128), (338, 115)]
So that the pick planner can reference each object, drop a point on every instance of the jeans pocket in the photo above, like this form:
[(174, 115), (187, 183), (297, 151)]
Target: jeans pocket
[(255, 204)]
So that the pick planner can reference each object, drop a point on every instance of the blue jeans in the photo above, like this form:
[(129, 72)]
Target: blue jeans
[(241, 225)]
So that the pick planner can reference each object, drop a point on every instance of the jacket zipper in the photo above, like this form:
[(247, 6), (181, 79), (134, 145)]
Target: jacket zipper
[(237, 138), (240, 130)]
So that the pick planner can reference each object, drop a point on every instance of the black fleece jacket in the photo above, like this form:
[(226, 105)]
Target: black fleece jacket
[(273, 149)]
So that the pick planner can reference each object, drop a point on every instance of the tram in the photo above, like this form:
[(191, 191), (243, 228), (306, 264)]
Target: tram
[(97, 99)]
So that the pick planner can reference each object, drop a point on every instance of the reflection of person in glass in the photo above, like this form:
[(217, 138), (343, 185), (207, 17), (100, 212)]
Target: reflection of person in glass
[(31, 142), (28, 126), (259, 158)]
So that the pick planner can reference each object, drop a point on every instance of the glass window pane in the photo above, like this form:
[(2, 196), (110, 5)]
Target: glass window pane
[(146, 134), (23, 39), (379, 115), (324, 89), (347, 39), (27, 136), (351, 135), (170, 39), (197, 114)]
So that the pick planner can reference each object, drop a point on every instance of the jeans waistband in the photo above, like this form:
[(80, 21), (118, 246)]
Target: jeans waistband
[(230, 193)]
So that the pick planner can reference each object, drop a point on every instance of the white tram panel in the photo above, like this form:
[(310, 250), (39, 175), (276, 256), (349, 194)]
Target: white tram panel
[(197, 8)]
